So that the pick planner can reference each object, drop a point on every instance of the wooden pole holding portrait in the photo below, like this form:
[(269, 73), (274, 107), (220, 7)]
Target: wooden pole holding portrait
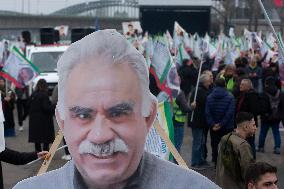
[(52, 151), (170, 145)]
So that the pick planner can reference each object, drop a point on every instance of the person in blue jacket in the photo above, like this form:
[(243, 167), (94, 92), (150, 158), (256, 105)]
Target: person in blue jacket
[(219, 111)]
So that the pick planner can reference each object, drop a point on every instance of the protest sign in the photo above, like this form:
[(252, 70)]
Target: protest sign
[(154, 143), (131, 29), (18, 69)]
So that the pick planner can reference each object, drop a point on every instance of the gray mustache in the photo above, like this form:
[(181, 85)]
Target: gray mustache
[(103, 150)]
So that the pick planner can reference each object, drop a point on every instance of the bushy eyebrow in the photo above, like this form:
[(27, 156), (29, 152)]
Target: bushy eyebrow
[(80, 110), (124, 107), (271, 182)]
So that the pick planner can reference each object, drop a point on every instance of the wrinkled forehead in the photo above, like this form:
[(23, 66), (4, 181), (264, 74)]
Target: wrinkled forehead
[(100, 78)]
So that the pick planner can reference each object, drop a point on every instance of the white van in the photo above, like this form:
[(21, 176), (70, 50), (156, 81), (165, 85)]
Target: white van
[(45, 58)]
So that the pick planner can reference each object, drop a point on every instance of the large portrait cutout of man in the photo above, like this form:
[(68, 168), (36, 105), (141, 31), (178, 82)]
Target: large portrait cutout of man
[(105, 110)]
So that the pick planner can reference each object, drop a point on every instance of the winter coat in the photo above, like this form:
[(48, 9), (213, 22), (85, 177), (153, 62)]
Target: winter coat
[(235, 155), (15, 158), (268, 72), (180, 107), (22, 93), (255, 74), (199, 118), (188, 76), (182, 102), (248, 102), (220, 108), (267, 115), (8, 108), (41, 128), (153, 85)]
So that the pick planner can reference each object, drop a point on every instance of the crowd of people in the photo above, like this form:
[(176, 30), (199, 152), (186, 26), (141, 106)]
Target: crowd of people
[(245, 87)]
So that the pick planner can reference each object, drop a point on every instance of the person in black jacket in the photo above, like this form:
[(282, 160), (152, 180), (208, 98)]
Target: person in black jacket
[(206, 129), (8, 100), (199, 123), (41, 128), (247, 101), (272, 114), (180, 109), (188, 74), (254, 72), (22, 95), (18, 158)]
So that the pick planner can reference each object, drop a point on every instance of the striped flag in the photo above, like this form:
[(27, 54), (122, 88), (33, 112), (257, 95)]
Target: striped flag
[(18, 69), (154, 143), (178, 35), (148, 46), (181, 55), (162, 60)]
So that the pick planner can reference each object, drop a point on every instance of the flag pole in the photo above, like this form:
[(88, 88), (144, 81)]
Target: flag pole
[(196, 88), (271, 26), (6, 87)]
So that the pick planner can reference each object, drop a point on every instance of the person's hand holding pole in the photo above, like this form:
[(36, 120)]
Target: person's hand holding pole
[(193, 105), (43, 154)]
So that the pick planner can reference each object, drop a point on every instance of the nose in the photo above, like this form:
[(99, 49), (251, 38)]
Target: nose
[(100, 131)]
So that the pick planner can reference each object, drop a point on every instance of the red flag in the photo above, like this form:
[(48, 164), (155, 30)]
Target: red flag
[(279, 3)]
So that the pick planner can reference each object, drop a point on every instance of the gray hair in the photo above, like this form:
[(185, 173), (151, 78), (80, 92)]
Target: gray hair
[(204, 77), (248, 81), (111, 46)]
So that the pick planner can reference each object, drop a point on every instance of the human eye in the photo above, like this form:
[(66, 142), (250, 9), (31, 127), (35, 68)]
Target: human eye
[(81, 114), (268, 184)]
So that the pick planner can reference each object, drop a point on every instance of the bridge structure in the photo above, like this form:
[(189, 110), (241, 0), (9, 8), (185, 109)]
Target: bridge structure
[(103, 8), (103, 13)]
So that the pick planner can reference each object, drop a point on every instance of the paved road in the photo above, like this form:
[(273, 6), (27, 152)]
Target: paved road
[(13, 174)]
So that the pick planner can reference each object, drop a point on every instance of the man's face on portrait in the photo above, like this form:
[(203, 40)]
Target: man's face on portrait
[(130, 28), (102, 107), (24, 75)]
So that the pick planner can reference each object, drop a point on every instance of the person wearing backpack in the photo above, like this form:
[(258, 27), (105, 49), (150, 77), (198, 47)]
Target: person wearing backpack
[(272, 106), (235, 153)]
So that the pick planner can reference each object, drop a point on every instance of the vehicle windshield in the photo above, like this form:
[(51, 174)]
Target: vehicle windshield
[(46, 61)]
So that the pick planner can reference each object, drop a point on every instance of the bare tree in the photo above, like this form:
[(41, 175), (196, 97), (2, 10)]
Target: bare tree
[(225, 11), (254, 14)]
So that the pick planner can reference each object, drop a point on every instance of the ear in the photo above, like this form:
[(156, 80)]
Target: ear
[(60, 122), (153, 113), (250, 186)]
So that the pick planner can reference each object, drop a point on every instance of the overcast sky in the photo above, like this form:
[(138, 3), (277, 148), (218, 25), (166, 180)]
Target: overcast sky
[(37, 6)]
